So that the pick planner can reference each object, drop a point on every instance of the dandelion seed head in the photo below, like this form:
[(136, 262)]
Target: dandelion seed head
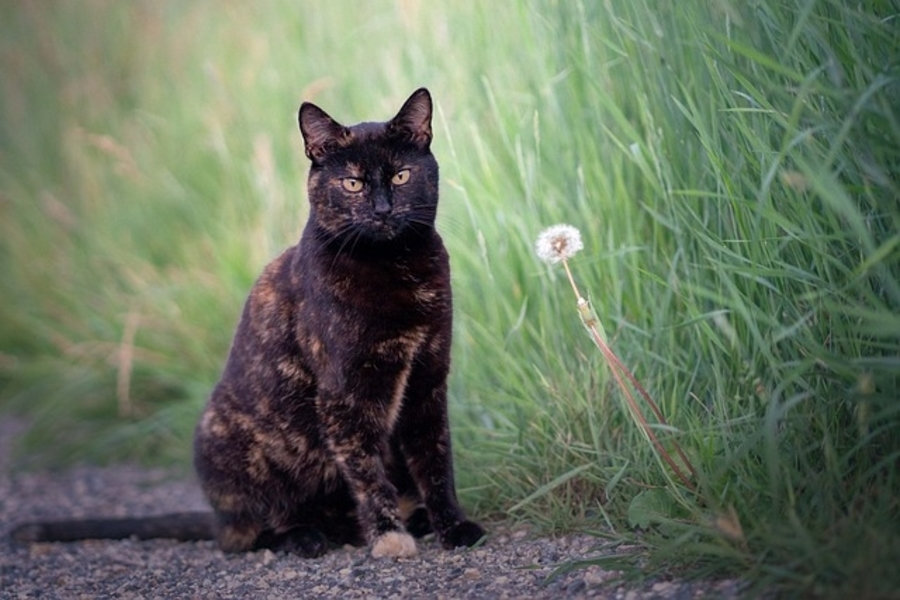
[(558, 243)]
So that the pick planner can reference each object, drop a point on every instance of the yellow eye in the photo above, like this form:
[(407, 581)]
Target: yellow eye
[(400, 177), (351, 184)]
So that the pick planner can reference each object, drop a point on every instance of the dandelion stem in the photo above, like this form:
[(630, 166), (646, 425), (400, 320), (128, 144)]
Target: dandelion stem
[(618, 369), (572, 280)]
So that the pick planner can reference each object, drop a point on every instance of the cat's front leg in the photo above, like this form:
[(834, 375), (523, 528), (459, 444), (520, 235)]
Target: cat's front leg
[(425, 441), (357, 437)]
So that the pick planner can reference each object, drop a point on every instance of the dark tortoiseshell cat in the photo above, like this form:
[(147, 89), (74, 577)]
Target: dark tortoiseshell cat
[(331, 414), (329, 423)]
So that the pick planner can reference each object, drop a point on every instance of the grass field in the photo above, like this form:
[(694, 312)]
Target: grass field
[(733, 167)]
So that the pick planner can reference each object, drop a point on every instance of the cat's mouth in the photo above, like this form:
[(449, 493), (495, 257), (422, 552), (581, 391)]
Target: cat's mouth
[(385, 229), (391, 231)]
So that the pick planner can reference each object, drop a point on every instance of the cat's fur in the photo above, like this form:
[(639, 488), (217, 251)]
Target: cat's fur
[(332, 409), (329, 423)]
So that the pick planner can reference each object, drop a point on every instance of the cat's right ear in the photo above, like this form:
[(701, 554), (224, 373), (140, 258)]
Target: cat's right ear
[(320, 132)]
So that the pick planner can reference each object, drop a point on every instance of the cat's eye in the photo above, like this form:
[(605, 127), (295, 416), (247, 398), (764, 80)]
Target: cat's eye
[(400, 177), (352, 184)]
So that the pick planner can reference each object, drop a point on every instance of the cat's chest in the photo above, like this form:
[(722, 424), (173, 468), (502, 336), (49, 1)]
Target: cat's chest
[(391, 293), (406, 292)]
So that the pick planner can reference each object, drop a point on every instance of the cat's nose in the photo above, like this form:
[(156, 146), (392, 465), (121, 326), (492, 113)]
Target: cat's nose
[(382, 206)]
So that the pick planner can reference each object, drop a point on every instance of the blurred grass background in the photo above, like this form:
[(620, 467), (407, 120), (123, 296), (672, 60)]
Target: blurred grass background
[(734, 169)]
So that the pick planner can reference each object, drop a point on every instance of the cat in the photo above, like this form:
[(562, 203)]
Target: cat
[(332, 410), (329, 424)]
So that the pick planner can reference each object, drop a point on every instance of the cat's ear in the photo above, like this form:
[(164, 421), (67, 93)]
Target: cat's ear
[(414, 119), (320, 132)]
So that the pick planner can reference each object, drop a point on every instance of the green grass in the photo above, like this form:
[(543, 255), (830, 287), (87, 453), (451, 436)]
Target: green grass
[(733, 168)]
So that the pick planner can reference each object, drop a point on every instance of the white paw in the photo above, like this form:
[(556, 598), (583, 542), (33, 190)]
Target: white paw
[(396, 544)]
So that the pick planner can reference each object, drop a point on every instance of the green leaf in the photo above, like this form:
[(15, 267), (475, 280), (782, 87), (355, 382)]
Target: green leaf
[(651, 507)]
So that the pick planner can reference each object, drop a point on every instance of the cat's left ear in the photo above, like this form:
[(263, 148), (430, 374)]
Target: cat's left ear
[(414, 119)]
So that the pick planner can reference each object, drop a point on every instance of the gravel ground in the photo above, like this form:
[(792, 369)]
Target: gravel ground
[(511, 564)]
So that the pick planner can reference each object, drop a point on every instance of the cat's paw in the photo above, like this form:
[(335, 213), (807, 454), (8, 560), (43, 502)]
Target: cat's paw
[(418, 524), (394, 544), (464, 533), (305, 542)]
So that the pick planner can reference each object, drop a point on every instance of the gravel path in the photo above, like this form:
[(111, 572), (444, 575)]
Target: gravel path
[(509, 565)]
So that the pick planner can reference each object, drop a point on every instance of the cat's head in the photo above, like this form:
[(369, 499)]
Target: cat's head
[(372, 183)]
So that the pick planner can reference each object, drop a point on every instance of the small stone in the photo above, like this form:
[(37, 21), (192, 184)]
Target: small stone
[(594, 577), (472, 574)]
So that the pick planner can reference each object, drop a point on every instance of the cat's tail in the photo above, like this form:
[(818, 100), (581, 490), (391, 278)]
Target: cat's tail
[(186, 527)]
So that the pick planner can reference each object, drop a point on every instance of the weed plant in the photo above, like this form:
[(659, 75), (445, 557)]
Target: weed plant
[(733, 168)]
